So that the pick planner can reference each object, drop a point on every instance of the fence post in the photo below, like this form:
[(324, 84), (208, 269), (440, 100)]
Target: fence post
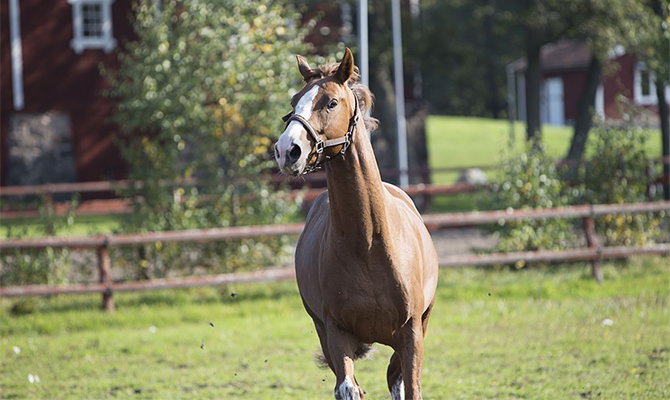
[(592, 242), (105, 277)]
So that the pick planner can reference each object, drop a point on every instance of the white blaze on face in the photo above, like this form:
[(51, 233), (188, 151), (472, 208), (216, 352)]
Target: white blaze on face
[(295, 134)]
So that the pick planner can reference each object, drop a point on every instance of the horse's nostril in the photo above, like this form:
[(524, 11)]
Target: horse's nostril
[(276, 152), (294, 153)]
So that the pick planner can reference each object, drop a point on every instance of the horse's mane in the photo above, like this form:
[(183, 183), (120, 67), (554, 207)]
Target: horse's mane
[(365, 97)]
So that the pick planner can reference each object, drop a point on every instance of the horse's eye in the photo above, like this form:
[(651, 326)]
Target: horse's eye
[(332, 104)]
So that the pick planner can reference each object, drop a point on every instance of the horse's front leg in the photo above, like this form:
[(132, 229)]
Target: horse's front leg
[(411, 360), (342, 346)]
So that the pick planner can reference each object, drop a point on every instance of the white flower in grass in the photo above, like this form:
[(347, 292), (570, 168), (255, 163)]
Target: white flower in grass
[(17, 350), (607, 322), (152, 329), (33, 378)]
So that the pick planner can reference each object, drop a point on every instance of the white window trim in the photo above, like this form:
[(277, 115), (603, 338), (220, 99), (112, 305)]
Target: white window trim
[(600, 101), (80, 43), (651, 98)]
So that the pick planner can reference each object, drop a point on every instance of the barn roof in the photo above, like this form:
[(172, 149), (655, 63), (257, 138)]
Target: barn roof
[(560, 56)]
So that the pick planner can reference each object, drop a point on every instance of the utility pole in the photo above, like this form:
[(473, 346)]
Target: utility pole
[(401, 123), (363, 58)]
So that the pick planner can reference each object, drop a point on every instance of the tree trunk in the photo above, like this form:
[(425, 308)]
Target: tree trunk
[(533, 87), (665, 135), (491, 56), (585, 109), (663, 115)]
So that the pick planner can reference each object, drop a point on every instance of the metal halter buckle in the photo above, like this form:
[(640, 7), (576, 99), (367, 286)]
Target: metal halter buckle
[(319, 147)]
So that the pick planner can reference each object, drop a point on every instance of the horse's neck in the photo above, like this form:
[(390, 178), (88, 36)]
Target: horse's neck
[(356, 192)]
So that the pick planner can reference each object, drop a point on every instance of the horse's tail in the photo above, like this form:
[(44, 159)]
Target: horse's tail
[(361, 352)]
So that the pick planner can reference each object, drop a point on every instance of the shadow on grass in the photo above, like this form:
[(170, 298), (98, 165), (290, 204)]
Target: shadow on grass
[(223, 294)]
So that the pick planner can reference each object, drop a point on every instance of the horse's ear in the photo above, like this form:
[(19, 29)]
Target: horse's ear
[(304, 68), (346, 68)]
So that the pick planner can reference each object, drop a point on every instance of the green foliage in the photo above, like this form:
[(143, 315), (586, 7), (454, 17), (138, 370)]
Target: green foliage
[(653, 44), (616, 173), (525, 181), (201, 94), (48, 266)]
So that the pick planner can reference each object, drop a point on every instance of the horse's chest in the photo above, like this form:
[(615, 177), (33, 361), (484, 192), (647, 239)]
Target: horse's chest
[(367, 301)]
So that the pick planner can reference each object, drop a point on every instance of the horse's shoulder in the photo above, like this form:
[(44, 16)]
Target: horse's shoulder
[(317, 216), (321, 205), (402, 196)]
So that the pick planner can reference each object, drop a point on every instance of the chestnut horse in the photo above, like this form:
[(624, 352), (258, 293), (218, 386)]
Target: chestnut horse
[(365, 263)]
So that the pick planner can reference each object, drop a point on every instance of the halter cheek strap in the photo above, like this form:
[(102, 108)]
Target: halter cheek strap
[(320, 145)]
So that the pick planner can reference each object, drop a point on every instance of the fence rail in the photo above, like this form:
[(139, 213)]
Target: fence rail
[(593, 252), (124, 206), (110, 186)]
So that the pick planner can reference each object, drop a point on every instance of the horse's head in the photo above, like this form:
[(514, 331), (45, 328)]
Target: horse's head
[(324, 117)]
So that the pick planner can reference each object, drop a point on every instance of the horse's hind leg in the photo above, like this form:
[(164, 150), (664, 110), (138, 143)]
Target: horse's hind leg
[(394, 378), (426, 316), (342, 347)]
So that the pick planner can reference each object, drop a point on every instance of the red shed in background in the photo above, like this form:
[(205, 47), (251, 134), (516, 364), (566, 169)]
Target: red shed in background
[(564, 67), (54, 119)]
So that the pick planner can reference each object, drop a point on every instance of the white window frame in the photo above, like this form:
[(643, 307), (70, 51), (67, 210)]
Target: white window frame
[(651, 98), (79, 43)]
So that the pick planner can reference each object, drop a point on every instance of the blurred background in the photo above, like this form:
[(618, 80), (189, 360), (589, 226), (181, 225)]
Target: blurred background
[(128, 127)]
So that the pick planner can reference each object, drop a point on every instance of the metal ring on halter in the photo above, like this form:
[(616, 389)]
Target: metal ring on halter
[(319, 144)]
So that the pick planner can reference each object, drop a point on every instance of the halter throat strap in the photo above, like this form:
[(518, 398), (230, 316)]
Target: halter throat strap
[(320, 145)]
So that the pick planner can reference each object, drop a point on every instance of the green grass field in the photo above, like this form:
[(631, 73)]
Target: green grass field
[(532, 334), (467, 141), (536, 333)]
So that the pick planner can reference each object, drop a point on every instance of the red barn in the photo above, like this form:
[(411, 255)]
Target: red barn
[(564, 67), (53, 121)]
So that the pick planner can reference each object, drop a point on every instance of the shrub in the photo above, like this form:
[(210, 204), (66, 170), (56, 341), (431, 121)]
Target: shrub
[(201, 93), (617, 173), (525, 181)]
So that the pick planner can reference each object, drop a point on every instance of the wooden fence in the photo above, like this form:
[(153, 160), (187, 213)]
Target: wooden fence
[(312, 185), (593, 253), (124, 206)]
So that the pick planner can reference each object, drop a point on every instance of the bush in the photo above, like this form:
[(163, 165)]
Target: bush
[(525, 181), (201, 94), (617, 172)]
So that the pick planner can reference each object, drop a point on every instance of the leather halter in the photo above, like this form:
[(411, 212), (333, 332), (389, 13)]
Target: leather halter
[(320, 145)]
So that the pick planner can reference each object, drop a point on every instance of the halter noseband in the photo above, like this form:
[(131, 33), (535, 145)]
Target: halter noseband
[(320, 145)]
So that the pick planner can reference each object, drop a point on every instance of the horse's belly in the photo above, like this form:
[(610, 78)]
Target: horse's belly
[(372, 324)]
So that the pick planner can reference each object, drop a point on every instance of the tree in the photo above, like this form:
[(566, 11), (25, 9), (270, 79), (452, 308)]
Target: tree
[(658, 59), (201, 92), (609, 24), (543, 21), (464, 47)]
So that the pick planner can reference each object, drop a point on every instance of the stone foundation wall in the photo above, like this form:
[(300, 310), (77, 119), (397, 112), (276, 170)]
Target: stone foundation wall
[(40, 149)]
